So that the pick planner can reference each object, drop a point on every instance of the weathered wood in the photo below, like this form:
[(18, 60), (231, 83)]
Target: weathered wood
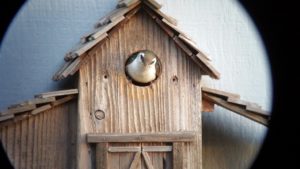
[(189, 42), (157, 148), (57, 93), (154, 4), (107, 18), (123, 149), (242, 103), (128, 16), (103, 21), (136, 160), (101, 156), (40, 141), (207, 106), (73, 67), (178, 156), (222, 94), (147, 160), (168, 30), (184, 136), (63, 100), (96, 38), (182, 46), (126, 3), (213, 72), (33, 101), (264, 120), (57, 75), (257, 110), (6, 117), (70, 55), (164, 106), (16, 110), (102, 31), (175, 28), (41, 109)]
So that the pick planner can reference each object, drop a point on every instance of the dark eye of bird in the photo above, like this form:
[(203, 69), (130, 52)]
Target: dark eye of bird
[(142, 57), (152, 62)]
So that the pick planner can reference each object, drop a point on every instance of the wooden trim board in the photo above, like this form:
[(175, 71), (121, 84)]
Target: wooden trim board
[(184, 136)]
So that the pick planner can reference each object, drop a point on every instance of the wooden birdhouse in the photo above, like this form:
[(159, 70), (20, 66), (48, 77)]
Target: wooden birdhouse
[(116, 122)]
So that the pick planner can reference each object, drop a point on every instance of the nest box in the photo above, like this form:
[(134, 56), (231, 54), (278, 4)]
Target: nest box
[(114, 122), (158, 124)]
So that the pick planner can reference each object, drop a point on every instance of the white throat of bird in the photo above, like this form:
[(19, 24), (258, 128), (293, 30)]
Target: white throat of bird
[(143, 69)]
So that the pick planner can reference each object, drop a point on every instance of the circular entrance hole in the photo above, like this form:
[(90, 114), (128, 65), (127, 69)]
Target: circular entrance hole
[(142, 68)]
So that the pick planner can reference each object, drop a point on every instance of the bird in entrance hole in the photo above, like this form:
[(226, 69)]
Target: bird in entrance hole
[(143, 67)]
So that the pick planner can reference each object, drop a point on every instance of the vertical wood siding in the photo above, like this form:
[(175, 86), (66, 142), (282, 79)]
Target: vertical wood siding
[(41, 141), (166, 105)]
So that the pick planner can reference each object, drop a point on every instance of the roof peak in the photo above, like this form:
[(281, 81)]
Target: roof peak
[(125, 10)]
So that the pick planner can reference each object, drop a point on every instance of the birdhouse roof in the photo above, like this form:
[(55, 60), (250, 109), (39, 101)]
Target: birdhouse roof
[(42, 102), (233, 103), (125, 10)]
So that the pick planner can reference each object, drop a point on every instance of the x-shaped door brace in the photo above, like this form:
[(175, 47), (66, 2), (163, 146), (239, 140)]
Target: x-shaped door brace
[(140, 150)]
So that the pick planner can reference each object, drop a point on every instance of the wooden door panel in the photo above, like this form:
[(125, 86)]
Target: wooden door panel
[(134, 156)]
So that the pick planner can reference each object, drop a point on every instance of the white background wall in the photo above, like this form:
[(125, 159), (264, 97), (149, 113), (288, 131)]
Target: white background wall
[(43, 31)]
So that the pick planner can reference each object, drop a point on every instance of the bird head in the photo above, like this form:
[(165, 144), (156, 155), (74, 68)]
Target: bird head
[(147, 58)]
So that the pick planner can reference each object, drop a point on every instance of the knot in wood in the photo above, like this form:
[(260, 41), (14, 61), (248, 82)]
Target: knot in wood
[(99, 114)]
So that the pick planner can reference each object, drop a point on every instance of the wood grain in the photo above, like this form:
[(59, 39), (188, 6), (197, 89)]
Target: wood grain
[(57, 93), (262, 119), (39, 142), (172, 103), (142, 137)]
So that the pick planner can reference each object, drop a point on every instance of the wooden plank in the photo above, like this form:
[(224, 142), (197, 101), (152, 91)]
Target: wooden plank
[(207, 106), (161, 14), (101, 156), (102, 31), (96, 38), (33, 101), (107, 18), (123, 149), (182, 46), (62, 69), (184, 136), (136, 161), (18, 109), (128, 16), (6, 117), (193, 45), (166, 29), (175, 28), (73, 67), (257, 110), (178, 156), (264, 120), (242, 103), (213, 72), (70, 55), (222, 94), (147, 160), (102, 22), (189, 42), (150, 109), (63, 100), (154, 4), (157, 148), (57, 93), (41, 109), (126, 3)]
